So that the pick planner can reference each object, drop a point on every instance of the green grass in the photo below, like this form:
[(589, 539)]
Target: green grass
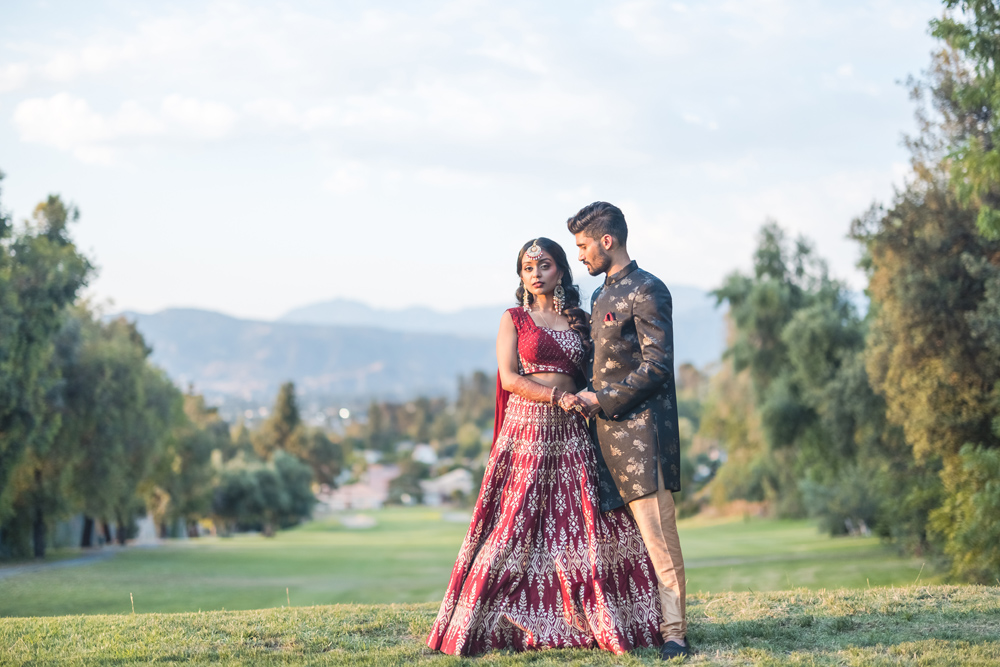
[(769, 555), (407, 557), (925, 625)]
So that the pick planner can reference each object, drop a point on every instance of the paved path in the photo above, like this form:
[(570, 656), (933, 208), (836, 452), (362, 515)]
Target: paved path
[(93, 557)]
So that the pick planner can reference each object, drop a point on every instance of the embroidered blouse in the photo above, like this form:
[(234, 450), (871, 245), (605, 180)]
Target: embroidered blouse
[(544, 350), (540, 350)]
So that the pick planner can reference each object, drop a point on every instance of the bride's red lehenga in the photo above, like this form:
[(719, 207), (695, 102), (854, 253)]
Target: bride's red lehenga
[(541, 565)]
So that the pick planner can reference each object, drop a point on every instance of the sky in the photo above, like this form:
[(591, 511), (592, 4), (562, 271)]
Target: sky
[(252, 157)]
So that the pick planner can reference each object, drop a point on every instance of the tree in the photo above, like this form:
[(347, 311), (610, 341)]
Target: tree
[(932, 352), (241, 442), (280, 427), (315, 448), (796, 412), (296, 478), (476, 400), (969, 101), (117, 417), (41, 272), (418, 426), (968, 519), (265, 495), (470, 440), (408, 481), (180, 486), (731, 421), (793, 328), (377, 433), (235, 496)]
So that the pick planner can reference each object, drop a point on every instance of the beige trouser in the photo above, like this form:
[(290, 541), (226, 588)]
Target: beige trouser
[(654, 514)]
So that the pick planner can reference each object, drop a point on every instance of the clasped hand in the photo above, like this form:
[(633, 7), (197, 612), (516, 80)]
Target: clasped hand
[(585, 403)]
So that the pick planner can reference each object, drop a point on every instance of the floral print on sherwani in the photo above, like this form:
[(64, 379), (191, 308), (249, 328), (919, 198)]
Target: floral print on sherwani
[(633, 376)]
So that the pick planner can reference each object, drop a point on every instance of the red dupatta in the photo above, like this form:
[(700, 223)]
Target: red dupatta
[(501, 408)]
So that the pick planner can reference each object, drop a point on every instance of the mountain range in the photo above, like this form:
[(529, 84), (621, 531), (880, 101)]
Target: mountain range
[(347, 350)]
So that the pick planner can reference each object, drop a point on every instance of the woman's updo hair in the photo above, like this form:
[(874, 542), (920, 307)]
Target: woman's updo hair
[(578, 320)]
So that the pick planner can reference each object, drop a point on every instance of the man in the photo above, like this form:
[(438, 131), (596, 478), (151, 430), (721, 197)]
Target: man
[(634, 400)]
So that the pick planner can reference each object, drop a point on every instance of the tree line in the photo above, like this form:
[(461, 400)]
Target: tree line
[(887, 419), (89, 426)]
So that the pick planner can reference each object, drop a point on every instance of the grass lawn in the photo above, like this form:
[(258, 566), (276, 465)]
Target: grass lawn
[(406, 558), (770, 555), (919, 625)]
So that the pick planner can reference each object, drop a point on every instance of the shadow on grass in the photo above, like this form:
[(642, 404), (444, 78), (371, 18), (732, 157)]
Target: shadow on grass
[(883, 627), (920, 626)]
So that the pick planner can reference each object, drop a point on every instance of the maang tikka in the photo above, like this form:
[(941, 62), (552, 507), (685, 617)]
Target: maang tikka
[(534, 252)]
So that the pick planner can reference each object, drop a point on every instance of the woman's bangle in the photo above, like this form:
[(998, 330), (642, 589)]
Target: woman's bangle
[(552, 396)]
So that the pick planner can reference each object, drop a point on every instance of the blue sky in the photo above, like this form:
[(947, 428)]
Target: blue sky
[(251, 157)]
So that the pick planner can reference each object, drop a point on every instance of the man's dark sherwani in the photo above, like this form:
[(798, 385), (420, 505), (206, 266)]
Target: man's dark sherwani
[(633, 376)]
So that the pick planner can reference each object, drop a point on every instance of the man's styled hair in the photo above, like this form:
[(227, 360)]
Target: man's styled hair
[(598, 219)]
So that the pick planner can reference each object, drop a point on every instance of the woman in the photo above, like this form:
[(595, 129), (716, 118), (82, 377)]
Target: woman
[(541, 566)]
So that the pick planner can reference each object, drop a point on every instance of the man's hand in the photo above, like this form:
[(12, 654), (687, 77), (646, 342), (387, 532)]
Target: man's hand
[(591, 405)]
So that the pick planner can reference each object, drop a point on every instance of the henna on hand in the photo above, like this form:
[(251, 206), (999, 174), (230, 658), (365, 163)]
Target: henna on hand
[(531, 390)]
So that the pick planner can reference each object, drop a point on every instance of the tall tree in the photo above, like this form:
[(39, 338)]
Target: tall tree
[(932, 351), (41, 272), (793, 328), (316, 449), (476, 399), (281, 425), (180, 485), (971, 101), (119, 412)]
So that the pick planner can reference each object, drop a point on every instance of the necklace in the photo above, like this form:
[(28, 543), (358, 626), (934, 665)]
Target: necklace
[(545, 320)]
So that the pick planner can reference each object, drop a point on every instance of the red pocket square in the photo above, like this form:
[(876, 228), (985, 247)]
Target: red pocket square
[(610, 317)]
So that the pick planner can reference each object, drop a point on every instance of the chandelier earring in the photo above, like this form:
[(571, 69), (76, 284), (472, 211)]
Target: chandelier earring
[(526, 298), (559, 296)]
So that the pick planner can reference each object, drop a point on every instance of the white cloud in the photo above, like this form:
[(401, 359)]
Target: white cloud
[(273, 111), (12, 76), (694, 119), (574, 196), (642, 20), (443, 177), (759, 22), (347, 179), (704, 117), (734, 170), (68, 123), (67, 65), (204, 119)]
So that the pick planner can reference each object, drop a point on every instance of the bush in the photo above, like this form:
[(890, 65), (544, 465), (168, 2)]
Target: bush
[(848, 504), (968, 519)]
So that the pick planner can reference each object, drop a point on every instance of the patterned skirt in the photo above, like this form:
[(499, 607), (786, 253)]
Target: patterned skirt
[(541, 566)]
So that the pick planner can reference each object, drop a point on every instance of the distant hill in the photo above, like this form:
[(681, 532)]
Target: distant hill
[(223, 355), (479, 322), (699, 327), (347, 350)]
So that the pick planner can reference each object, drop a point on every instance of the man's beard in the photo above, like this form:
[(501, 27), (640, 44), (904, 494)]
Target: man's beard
[(601, 265)]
